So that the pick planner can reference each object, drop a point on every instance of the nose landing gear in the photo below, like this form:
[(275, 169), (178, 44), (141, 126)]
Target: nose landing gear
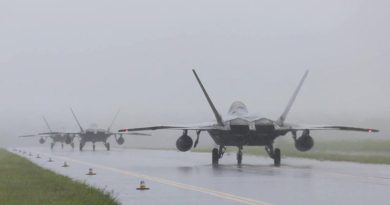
[(239, 156), (107, 146)]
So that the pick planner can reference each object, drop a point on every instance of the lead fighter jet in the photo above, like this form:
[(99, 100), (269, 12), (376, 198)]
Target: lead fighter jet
[(240, 128)]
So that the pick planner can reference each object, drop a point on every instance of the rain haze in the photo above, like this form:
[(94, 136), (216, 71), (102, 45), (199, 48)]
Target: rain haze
[(101, 56)]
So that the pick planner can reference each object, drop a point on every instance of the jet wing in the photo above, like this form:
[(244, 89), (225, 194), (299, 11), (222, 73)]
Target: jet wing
[(131, 133), (50, 133), (56, 133), (200, 127), (28, 136), (325, 127)]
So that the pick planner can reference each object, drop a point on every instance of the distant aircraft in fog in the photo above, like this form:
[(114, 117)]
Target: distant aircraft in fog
[(99, 135), (57, 137), (240, 128)]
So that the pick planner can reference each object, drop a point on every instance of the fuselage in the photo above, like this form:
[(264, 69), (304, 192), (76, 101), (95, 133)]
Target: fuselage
[(58, 138), (245, 129), (62, 138), (95, 135)]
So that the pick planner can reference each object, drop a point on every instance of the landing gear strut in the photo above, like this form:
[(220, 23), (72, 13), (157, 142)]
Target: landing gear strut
[(217, 154), (274, 154), (81, 146), (239, 156), (107, 146)]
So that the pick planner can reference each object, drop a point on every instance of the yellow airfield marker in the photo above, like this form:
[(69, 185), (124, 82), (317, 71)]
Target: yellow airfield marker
[(65, 164), (142, 186), (90, 172)]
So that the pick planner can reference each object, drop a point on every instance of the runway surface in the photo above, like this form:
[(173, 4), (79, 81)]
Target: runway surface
[(189, 178)]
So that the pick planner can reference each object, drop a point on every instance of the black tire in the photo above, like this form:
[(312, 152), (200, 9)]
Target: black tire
[(277, 157), (93, 147), (108, 146), (239, 158), (215, 156)]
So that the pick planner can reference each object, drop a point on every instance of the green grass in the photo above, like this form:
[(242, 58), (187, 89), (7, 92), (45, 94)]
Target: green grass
[(22, 182), (363, 151)]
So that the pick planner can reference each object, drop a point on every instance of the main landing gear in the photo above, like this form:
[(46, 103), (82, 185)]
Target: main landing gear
[(217, 154), (274, 154), (81, 146), (107, 145)]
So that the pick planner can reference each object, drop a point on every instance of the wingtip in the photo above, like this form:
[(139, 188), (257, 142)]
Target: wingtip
[(372, 130)]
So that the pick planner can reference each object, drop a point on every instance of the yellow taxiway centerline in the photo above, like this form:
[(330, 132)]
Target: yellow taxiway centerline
[(215, 193)]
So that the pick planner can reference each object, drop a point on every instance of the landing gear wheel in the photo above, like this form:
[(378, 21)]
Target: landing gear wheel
[(93, 147), (52, 145), (107, 146), (277, 157), (215, 156), (81, 146), (239, 157)]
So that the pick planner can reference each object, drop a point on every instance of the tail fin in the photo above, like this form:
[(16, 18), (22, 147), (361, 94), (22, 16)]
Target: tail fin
[(217, 115), (282, 118), (112, 123), (78, 123), (47, 124)]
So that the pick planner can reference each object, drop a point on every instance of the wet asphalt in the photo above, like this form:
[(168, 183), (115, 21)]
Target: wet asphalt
[(189, 178)]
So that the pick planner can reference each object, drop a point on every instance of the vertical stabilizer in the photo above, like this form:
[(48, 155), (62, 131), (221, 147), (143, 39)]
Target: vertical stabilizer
[(282, 118), (47, 124), (78, 123), (113, 121), (217, 115)]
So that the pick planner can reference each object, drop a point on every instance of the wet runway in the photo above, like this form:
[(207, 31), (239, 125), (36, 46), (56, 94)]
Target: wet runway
[(189, 178)]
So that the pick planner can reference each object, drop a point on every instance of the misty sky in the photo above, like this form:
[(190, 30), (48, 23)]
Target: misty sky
[(99, 56)]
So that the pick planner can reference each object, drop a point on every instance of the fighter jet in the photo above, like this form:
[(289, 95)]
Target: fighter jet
[(240, 128), (57, 137), (99, 135)]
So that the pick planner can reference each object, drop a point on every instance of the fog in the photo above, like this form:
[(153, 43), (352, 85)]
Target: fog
[(101, 56)]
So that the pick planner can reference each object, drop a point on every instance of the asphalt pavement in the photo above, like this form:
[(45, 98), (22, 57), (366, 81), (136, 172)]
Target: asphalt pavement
[(189, 178)]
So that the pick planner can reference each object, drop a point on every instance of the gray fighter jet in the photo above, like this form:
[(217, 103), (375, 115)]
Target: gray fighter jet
[(99, 135), (240, 128), (57, 137)]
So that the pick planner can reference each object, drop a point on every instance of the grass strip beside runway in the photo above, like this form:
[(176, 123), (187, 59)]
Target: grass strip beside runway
[(362, 151), (22, 182)]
